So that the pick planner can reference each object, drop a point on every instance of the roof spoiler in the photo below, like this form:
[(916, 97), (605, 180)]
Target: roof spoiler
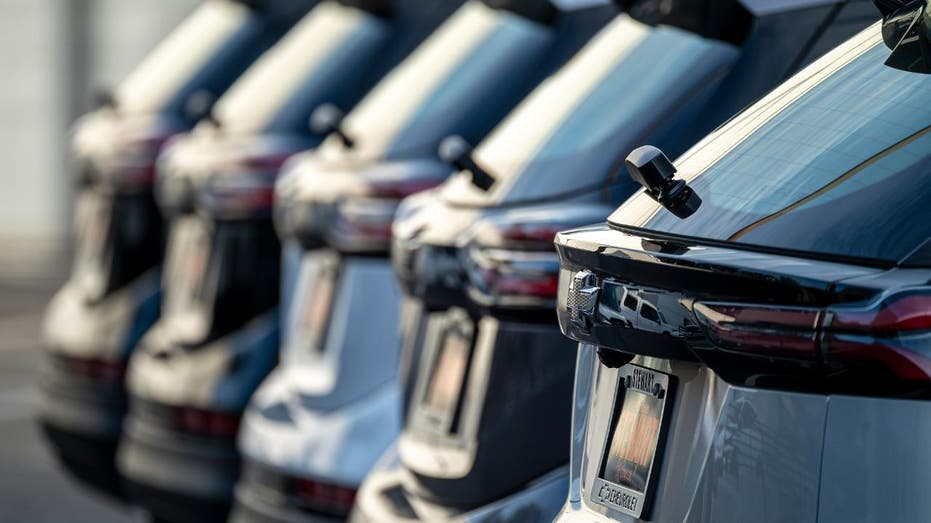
[(542, 11), (906, 30)]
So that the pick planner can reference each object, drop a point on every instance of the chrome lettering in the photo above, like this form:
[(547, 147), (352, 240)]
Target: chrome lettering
[(617, 497), (643, 381)]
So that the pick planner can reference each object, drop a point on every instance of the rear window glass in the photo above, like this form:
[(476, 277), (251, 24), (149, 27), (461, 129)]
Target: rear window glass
[(299, 63), (649, 313), (568, 134), (837, 161), (177, 58)]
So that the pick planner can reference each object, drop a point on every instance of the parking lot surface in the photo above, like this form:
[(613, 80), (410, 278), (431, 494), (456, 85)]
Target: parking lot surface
[(33, 488)]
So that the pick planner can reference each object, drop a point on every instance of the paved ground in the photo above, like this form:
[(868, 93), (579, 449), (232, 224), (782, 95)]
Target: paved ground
[(32, 487)]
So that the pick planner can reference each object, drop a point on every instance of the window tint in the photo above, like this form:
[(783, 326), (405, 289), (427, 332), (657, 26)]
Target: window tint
[(170, 65), (630, 302), (571, 132), (648, 312), (297, 67), (836, 161)]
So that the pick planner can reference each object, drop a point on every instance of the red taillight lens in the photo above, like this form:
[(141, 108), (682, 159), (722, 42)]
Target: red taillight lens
[(511, 260), (887, 339), (761, 329), (99, 370), (321, 497), (895, 332), (364, 224), (400, 189), (205, 422), (238, 193), (893, 315), (542, 285), (513, 277), (540, 234)]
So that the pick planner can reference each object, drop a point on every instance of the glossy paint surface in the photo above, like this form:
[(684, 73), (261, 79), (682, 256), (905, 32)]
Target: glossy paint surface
[(831, 162)]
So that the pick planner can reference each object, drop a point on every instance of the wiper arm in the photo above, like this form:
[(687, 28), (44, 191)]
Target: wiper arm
[(457, 152)]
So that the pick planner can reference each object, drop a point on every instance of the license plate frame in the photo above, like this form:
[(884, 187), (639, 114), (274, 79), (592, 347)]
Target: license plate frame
[(454, 343), (654, 387), (453, 355)]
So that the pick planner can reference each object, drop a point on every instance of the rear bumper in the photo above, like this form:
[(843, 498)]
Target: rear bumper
[(178, 477), (253, 505), (383, 498), (82, 421), (90, 459), (76, 404)]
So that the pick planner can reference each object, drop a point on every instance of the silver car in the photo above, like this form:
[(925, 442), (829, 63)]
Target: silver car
[(788, 253), (490, 379), (193, 372), (321, 420)]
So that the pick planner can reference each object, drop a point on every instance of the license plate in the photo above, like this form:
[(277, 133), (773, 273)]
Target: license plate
[(318, 308), (188, 260), (633, 445), (443, 387)]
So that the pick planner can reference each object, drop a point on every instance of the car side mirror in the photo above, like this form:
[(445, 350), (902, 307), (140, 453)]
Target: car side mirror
[(456, 151), (906, 29), (328, 119), (649, 167)]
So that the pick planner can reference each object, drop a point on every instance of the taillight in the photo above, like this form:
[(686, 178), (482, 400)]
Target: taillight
[(507, 277), (238, 193), (511, 260), (132, 163), (99, 370), (880, 347), (363, 224), (894, 332), (544, 285), (324, 498), (350, 209), (761, 329), (349, 223), (205, 422)]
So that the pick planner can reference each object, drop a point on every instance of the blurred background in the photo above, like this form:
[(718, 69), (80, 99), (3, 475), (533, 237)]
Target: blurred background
[(55, 54)]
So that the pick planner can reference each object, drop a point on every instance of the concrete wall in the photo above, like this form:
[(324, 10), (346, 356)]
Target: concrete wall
[(53, 53)]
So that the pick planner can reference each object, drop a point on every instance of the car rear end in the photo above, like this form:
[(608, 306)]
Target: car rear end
[(486, 375), (113, 295), (784, 376), (335, 207), (194, 370)]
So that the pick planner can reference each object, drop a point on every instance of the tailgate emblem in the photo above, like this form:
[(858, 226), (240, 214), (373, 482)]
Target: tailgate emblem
[(582, 299)]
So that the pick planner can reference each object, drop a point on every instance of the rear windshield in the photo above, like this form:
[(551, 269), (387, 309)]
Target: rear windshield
[(570, 132), (172, 63), (299, 62), (836, 161)]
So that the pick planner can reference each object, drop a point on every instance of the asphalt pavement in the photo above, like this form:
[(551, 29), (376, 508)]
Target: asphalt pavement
[(33, 487)]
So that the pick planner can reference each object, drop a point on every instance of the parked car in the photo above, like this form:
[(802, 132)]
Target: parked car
[(194, 370), (799, 248), (321, 420), (490, 379), (112, 295)]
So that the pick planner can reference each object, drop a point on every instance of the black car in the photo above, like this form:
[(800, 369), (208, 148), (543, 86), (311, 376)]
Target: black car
[(786, 257), (112, 296)]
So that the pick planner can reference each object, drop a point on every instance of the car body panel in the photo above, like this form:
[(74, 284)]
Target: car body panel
[(719, 437), (461, 80), (757, 434), (382, 499), (338, 446), (433, 231)]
